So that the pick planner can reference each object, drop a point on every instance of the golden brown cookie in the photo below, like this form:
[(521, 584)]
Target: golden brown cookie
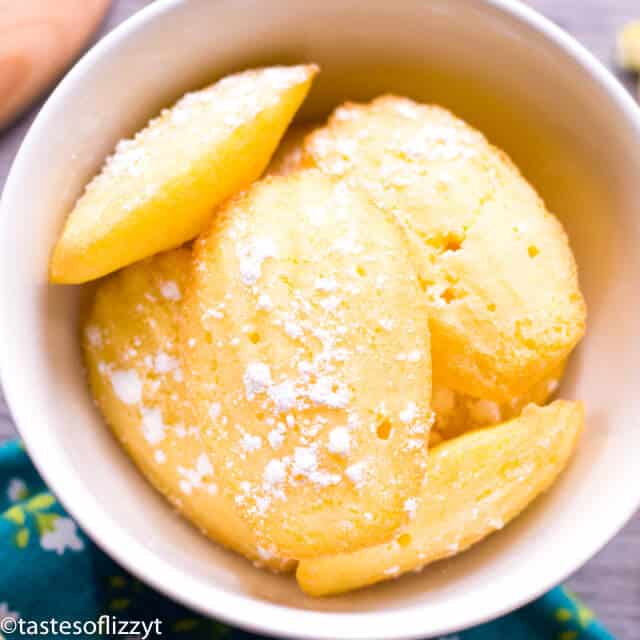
[(476, 484), (159, 188), (306, 329), (496, 267), (136, 375)]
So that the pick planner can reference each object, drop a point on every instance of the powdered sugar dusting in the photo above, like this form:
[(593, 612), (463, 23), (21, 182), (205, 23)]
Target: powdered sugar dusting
[(339, 441)]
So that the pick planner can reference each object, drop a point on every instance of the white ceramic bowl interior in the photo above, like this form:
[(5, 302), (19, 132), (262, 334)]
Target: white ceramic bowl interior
[(569, 126)]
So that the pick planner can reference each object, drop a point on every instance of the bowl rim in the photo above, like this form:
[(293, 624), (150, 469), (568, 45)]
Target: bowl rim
[(266, 618)]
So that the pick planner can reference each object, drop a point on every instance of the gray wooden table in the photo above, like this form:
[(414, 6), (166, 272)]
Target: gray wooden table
[(610, 582)]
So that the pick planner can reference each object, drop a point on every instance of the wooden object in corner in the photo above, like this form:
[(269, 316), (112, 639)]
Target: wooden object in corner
[(38, 40)]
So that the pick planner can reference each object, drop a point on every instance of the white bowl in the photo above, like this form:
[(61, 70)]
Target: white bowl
[(533, 90)]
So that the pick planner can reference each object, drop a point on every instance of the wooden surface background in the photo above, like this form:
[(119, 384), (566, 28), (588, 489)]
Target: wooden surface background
[(610, 582)]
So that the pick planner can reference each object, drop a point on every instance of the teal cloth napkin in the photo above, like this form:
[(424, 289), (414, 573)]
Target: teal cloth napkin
[(50, 569)]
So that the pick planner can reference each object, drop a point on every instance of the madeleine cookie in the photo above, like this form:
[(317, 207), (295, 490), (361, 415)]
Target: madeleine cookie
[(476, 484), (499, 276), (307, 359), (137, 378), (159, 188)]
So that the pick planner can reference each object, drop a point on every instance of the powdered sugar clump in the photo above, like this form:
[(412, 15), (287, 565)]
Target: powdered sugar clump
[(127, 386), (94, 336), (275, 472), (203, 465), (251, 258), (283, 395), (214, 410), (153, 426), (264, 302), (305, 461), (356, 473), (251, 443), (257, 378), (409, 413), (194, 478), (329, 393), (411, 507), (276, 438), (170, 290), (339, 441), (165, 363), (293, 329)]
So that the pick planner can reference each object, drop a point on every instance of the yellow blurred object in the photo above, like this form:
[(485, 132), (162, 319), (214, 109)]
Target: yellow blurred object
[(159, 189), (629, 46), (475, 485)]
